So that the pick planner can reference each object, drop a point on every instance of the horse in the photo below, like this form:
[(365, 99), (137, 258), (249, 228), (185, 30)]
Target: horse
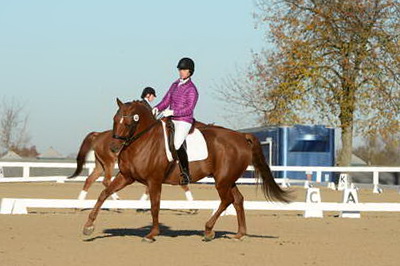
[(145, 161), (105, 159)]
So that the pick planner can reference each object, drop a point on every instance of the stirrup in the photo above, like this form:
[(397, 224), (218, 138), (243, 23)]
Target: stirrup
[(185, 179)]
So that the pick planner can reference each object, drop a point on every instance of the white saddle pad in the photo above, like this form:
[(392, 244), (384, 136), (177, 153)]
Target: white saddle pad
[(195, 143)]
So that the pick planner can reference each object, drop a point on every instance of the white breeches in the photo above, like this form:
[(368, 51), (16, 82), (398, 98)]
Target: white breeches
[(182, 129)]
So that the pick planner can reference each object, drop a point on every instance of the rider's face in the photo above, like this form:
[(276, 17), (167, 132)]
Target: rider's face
[(184, 73), (150, 97)]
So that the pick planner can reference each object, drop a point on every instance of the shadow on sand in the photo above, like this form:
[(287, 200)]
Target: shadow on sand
[(166, 231)]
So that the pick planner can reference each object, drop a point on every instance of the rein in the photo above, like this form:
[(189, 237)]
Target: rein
[(129, 140)]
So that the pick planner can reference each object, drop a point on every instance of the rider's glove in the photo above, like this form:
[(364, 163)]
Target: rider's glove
[(168, 112), (155, 111)]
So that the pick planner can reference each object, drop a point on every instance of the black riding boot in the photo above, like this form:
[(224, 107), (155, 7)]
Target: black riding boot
[(184, 165)]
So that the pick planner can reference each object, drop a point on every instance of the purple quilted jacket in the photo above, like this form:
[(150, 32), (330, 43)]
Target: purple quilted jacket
[(181, 99)]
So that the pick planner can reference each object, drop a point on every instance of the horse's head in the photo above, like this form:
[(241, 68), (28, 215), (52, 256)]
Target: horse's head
[(130, 117)]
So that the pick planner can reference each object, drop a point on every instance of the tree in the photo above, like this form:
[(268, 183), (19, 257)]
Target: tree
[(13, 126), (334, 62), (380, 151), (28, 152)]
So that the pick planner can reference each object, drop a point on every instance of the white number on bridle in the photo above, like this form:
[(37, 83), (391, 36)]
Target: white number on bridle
[(135, 118)]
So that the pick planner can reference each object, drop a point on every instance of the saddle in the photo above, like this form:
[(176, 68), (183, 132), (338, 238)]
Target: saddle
[(192, 150), (170, 127)]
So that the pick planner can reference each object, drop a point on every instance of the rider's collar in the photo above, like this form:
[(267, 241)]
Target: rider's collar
[(183, 81)]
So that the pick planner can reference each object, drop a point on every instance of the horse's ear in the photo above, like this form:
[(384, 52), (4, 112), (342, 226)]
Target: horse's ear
[(119, 103)]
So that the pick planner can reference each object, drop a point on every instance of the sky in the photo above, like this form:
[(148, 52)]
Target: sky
[(67, 61)]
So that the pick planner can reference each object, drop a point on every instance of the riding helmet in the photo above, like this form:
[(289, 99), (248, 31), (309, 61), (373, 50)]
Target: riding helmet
[(186, 63), (148, 90)]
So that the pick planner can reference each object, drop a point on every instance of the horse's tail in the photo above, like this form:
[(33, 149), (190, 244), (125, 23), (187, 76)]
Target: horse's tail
[(270, 188), (86, 146)]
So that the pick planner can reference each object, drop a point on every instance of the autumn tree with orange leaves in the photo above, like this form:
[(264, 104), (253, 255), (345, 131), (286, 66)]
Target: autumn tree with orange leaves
[(333, 62)]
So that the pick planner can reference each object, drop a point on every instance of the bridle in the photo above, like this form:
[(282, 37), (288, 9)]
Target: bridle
[(132, 129)]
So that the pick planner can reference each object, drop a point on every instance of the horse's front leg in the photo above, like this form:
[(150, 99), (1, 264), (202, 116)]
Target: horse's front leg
[(155, 196), (117, 184)]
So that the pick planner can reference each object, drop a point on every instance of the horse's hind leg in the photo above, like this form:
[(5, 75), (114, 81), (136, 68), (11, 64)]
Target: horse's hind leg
[(117, 184), (108, 173), (94, 175), (238, 204), (226, 196)]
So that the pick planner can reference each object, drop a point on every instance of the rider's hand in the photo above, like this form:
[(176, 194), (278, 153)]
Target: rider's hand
[(155, 111), (168, 112)]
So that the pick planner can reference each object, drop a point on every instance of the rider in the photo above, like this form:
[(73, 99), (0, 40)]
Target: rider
[(148, 95), (179, 104)]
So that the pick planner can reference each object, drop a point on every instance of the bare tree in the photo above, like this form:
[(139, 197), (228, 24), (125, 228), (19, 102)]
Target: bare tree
[(333, 62), (13, 125)]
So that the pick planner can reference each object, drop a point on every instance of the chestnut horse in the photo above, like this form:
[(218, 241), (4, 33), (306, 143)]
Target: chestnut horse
[(105, 159), (230, 153)]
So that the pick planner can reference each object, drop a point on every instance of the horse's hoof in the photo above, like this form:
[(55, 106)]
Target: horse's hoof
[(239, 238), (209, 237), (193, 211), (87, 231), (148, 240)]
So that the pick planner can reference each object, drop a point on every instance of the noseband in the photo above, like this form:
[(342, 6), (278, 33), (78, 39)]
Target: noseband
[(132, 129)]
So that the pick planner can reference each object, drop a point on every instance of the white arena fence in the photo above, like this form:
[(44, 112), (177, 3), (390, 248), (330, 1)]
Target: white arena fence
[(21, 205), (319, 170)]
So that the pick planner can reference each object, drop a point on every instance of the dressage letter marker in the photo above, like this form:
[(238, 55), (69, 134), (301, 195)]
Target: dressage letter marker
[(1, 172), (343, 182), (332, 186), (350, 197), (313, 197)]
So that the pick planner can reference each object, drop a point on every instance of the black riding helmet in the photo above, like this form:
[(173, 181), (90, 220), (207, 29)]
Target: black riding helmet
[(148, 90), (186, 63)]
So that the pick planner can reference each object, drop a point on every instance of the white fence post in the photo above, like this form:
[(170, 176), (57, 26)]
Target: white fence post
[(375, 181), (319, 178), (26, 171), (1, 172)]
